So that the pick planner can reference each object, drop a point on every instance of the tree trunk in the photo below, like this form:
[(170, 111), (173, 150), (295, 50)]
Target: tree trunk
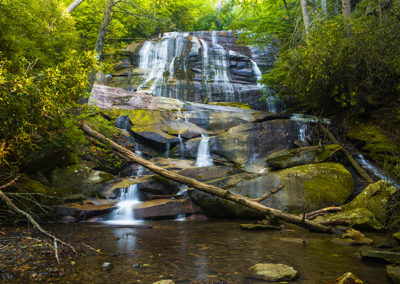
[(324, 9), (346, 8), (103, 28), (306, 16), (223, 193), (73, 5)]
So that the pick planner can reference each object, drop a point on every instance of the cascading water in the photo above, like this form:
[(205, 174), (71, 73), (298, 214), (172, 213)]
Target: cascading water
[(374, 170), (181, 147), (203, 158), (303, 135)]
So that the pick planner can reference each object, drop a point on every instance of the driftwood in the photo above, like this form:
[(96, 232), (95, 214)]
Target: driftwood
[(353, 162), (313, 214), (162, 196), (10, 204), (223, 193)]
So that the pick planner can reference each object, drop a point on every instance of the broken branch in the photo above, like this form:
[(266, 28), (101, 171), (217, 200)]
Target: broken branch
[(268, 194)]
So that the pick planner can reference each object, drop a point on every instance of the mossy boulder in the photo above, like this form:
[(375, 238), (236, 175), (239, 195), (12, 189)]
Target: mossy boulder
[(380, 198), (393, 272), (34, 186), (361, 218), (307, 188), (301, 156)]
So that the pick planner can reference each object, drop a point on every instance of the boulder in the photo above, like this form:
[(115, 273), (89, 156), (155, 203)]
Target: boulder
[(307, 188), (383, 255), (164, 208), (381, 199), (273, 272), (301, 156), (393, 272), (85, 209)]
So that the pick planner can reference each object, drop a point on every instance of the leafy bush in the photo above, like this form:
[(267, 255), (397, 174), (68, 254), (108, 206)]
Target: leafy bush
[(346, 65)]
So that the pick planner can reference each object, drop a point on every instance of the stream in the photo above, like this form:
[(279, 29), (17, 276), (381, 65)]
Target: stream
[(208, 252)]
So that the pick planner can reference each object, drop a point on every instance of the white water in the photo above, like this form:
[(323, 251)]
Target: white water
[(128, 199), (205, 69), (303, 135), (181, 147), (374, 170), (203, 158)]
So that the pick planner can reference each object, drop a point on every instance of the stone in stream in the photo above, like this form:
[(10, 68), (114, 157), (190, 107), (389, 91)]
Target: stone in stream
[(393, 272), (273, 272), (348, 278), (168, 281), (107, 266), (383, 255), (301, 156)]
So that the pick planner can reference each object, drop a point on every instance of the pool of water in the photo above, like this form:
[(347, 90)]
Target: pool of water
[(205, 252)]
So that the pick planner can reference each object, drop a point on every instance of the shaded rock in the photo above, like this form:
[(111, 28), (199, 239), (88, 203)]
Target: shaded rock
[(383, 255), (393, 272), (168, 281), (107, 266), (85, 210), (163, 208), (354, 238), (360, 218), (348, 278), (42, 161), (258, 227), (380, 198), (68, 219), (301, 156), (273, 272), (307, 188)]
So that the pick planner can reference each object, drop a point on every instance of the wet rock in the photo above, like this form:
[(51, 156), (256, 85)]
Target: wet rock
[(353, 238), (301, 156), (383, 255), (348, 278), (68, 219), (168, 281), (107, 266), (380, 198), (273, 272), (393, 272), (86, 209), (164, 208)]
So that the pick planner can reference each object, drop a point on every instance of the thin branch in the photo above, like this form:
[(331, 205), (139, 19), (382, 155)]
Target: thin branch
[(268, 194)]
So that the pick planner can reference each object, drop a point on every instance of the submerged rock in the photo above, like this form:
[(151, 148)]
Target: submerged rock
[(273, 272), (393, 272), (301, 156)]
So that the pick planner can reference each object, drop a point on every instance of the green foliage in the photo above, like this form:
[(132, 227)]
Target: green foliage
[(36, 30), (349, 65)]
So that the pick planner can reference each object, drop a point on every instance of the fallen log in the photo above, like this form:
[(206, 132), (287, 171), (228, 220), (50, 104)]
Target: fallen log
[(353, 162), (223, 193), (162, 196), (313, 214)]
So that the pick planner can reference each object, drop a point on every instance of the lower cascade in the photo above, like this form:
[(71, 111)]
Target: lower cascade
[(203, 154)]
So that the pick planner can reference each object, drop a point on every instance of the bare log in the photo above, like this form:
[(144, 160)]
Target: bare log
[(353, 162), (313, 214), (10, 204), (268, 194), (223, 193), (73, 5)]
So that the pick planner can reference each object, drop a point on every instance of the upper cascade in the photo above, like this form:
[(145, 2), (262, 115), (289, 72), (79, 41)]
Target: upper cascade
[(208, 66)]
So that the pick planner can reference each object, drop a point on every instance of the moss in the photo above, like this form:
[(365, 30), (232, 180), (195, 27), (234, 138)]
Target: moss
[(231, 104), (34, 186), (324, 184)]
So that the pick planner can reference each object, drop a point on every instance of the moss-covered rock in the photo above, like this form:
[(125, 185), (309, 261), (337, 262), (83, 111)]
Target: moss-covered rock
[(393, 272), (301, 156), (231, 104), (380, 198), (361, 218), (307, 188), (34, 186)]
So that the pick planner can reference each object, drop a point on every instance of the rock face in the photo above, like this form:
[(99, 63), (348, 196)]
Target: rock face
[(301, 156), (197, 67), (273, 272), (307, 188)]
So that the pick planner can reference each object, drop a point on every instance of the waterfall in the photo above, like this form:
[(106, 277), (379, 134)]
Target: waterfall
[(303, 132), (220, 64), (129, 197), (203, 158), (374, 170), (257, 72), (181, 147), (206, 69)]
